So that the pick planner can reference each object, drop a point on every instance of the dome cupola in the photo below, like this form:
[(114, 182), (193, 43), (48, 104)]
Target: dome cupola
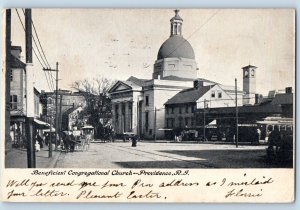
[(176, 56), (176, 45)]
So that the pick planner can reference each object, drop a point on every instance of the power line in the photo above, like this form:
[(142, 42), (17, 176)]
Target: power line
[(33, 40), (48, 81), (44, 59), (34, 50), (24, 30), (194, 32), (38, 41), (51, 79)]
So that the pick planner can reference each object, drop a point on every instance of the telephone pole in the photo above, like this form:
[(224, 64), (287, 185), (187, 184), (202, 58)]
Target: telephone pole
[(29, 92), (7, 79), (155, 110), (236, 117), (56, 100), (60, 116), (50, 140), (204, 123)]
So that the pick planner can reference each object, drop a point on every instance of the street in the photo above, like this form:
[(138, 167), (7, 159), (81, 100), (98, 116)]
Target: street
[(165, 155)]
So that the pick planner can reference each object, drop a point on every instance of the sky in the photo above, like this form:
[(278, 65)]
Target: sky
[(119, 43)]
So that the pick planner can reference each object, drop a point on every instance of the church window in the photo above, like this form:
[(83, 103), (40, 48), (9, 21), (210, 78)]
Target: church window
[(146, 121), (172, 110), (147, 100), (180, 111)]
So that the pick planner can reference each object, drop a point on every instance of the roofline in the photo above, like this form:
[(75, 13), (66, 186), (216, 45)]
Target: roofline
[(118, 82), (249, 66)]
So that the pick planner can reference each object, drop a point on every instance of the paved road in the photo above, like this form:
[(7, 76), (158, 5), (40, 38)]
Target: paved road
[(165, 155)]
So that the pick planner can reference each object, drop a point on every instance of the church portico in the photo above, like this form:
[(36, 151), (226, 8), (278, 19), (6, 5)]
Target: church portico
[(123, 116)]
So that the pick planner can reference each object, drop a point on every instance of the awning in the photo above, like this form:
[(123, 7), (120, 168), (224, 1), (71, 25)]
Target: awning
[(88, 127), (165, 129), (48, 130), (275, 122), (41, 124), (214, 122)]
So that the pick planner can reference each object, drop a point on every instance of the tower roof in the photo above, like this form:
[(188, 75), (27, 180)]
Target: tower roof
[(249, 66), (176, 17)]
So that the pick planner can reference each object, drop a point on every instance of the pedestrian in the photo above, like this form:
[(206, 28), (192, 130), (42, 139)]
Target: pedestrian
[(134, 141), (72, 141), (37, 146), (65, 141), (39, 140), (47, 139), (258, 135), (274, 138)]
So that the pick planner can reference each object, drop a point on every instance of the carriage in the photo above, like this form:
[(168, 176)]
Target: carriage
[(88, 132)]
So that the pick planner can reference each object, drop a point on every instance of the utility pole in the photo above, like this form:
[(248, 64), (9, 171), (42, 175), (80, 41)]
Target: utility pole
[(60, 115), (236, 117), (29, 89), (155, 110), (56, 100), (50, 140), (204, 123), (56, 108), (7, 79)]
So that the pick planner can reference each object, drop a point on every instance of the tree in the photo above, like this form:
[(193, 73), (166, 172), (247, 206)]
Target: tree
[(97, 111)]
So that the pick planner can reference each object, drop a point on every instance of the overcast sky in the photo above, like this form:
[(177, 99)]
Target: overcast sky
[(120, 43)]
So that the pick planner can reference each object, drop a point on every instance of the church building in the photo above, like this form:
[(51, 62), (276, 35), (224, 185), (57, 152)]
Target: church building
[(139, 105)]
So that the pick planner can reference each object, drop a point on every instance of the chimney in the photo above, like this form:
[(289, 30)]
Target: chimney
[(198, 84), (16, 51), (288, 90), (257, 98)]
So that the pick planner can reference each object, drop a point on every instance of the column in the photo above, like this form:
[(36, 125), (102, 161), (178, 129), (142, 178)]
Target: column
[(134, 117), (113, 115), (120, 123), (126, 115), (130, 115)]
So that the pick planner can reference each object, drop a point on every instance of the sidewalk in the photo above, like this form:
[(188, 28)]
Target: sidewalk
[(261, 143), (17, 158)]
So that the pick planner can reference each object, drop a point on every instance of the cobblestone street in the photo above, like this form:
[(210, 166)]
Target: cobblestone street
[(165, 155)]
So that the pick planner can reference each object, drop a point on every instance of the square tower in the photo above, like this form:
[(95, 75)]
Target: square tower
[(249, 84)]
